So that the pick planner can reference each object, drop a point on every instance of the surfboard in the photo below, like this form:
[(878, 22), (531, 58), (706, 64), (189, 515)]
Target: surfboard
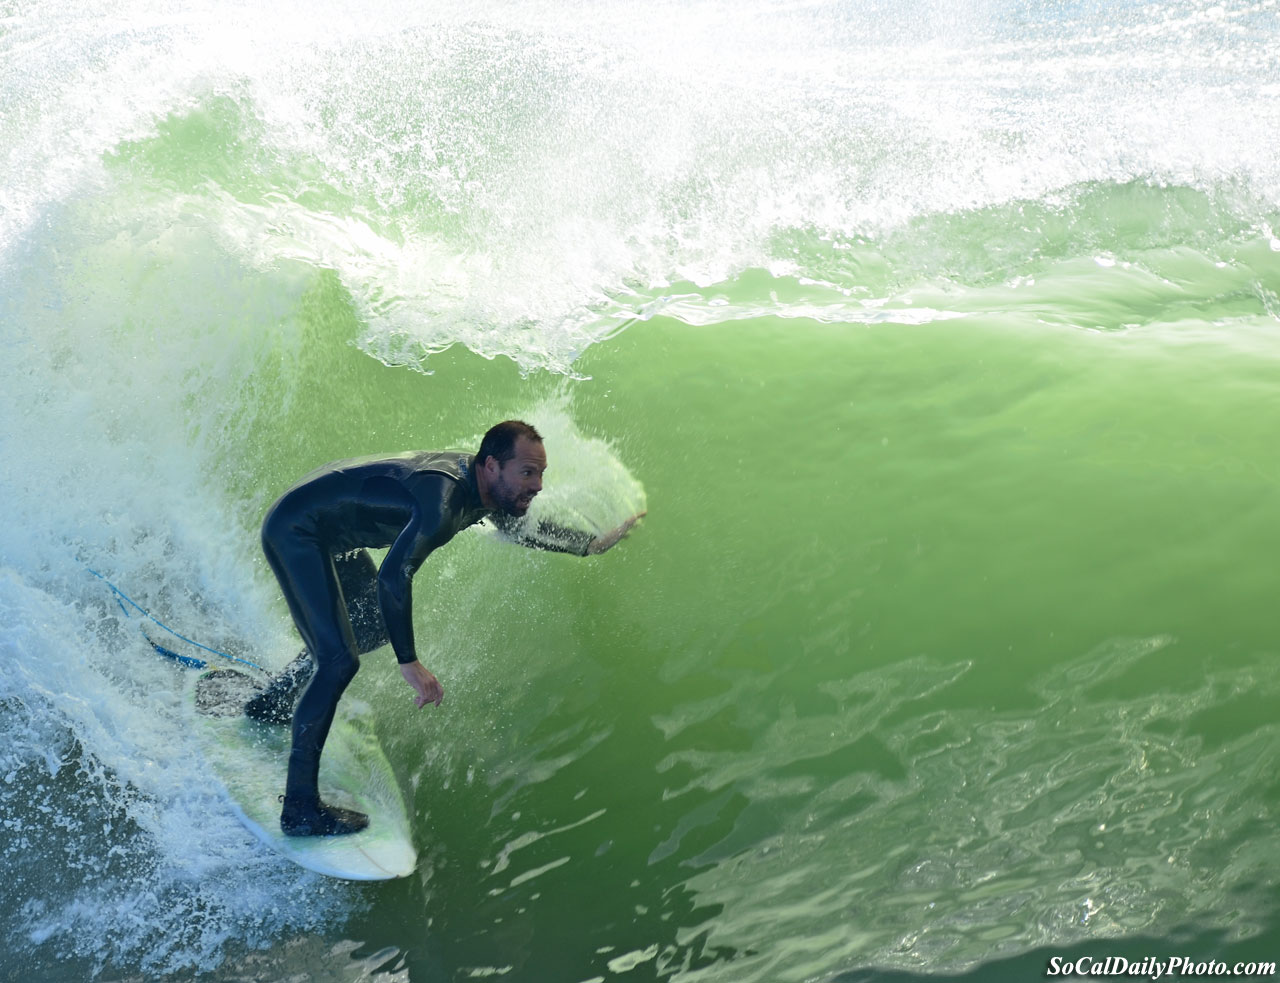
[(250, 759)]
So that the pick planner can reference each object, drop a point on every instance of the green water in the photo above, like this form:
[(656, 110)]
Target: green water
[(940, 642)]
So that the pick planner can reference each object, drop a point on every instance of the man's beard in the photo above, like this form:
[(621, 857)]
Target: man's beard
[(508, 499)]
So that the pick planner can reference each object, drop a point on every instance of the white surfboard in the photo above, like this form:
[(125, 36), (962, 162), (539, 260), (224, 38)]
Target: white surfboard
[(250, 760)]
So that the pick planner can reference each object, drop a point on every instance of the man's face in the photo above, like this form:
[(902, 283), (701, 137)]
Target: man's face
[(513, 484)]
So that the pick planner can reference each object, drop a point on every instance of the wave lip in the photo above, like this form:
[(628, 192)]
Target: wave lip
[(514, 180)]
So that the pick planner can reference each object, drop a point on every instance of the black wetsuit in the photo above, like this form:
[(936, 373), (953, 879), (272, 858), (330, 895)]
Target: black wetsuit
[(315, 537)]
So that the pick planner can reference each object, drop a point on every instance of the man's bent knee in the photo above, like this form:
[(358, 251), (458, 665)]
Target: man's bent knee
[(337, 671)]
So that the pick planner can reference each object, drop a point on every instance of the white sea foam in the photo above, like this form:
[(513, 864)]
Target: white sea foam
[(523, 178), (115, 845)]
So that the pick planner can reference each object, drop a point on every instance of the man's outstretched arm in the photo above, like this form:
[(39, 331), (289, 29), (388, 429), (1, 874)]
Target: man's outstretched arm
[(610, 539), (555, 538)]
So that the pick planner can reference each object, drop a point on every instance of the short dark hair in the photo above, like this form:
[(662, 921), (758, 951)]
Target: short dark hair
[(500, 441)]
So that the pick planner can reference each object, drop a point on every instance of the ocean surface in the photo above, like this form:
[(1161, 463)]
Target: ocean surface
[(941, 343)]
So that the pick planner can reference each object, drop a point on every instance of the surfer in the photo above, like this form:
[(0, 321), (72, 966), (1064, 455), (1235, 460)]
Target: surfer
[(315, 538)]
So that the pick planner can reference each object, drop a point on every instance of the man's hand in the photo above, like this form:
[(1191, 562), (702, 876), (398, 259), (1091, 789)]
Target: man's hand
[(611, 539), (424, 683)]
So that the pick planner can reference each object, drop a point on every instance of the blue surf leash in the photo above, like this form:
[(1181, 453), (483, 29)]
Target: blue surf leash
[(186, 660)]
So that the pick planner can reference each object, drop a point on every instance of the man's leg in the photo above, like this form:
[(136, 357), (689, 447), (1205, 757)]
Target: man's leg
[(358, 581), (358, 578), (310, 586), (274, 704), (303, 813)]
